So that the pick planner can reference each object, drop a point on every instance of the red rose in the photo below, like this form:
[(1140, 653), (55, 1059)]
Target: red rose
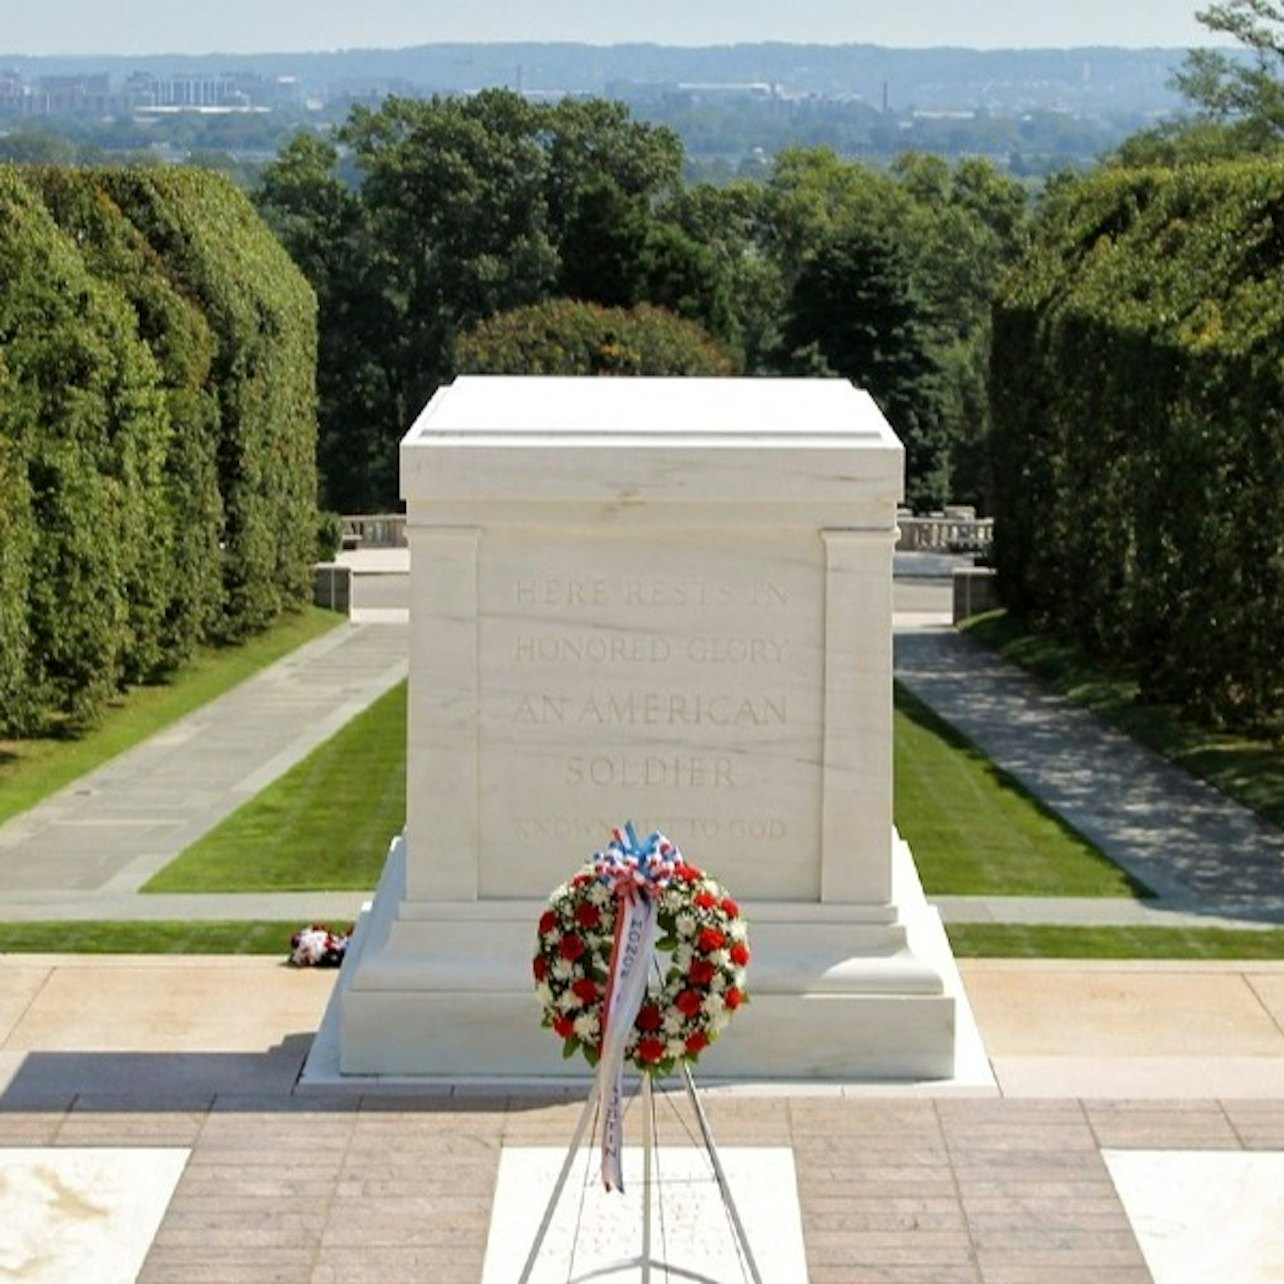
[(701, 972), (688, 874), (649, 1018), (540, 967), (730, 908), (688, 1003), (733, 998), (587, 915), (580, 879), (709, 940), (564, 1026), (571, 947), (651, 1050), (740, 954), (697, 1042), (585, 990), (706, 900), (547, 921)]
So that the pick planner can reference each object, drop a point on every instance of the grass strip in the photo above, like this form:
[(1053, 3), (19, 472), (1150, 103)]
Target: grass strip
[(975, 831), (1249, 770), (1055, 941), (32, 769), (969, 940), (148, 936), (323, 826)]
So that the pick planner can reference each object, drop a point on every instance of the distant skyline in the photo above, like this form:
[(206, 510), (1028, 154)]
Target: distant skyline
[(283, 26)]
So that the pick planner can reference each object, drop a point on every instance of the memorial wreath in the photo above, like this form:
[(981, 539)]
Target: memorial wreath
[(639, 936), (318, 946)]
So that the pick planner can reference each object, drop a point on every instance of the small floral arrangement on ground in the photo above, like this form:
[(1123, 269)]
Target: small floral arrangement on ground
[(317, 946), (702, 950)]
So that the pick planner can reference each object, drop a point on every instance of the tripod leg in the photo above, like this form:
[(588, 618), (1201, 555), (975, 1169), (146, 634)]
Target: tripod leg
[(724, 1187), (551, 1207), (648, 1145)]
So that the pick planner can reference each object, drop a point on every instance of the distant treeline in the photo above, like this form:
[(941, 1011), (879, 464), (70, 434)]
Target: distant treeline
[(1138, 431), (157, 431)]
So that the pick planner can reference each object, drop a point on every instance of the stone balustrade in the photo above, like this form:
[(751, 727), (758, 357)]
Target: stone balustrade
[(956, 530), (380, 530)]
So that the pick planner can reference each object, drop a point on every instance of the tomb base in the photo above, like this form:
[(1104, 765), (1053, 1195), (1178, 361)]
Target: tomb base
[(838, 992)]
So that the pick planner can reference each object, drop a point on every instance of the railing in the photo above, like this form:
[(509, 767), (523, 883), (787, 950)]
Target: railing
[(383, 530), (948, 532)]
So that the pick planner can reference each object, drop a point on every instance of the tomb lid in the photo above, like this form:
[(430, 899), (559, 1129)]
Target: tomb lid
[(501, 438)]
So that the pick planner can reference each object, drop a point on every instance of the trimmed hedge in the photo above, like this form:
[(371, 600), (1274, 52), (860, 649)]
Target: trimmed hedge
[(127, 461), (186, 508), (262, 314), (568, 337), (1137, 387)]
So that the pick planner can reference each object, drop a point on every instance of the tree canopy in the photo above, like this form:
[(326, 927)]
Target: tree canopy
[(456, 211)]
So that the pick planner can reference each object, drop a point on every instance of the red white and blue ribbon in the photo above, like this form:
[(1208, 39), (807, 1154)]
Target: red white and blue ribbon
[(636, 872)]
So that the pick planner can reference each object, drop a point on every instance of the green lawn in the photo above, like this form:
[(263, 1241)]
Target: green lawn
[(142, 936), (323, 826), (1249, 770), (970, 940), (975, 831), (33, 769), (1035, 941)]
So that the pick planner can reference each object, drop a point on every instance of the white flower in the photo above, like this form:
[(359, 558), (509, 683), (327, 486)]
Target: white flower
[(676, 1047), (737, 929), (544, 993), (738, 978), (674, 899), (673, 1022), (568, 1001), (563, 969), (718, 981), (714, 1005), (685, 924), (585, 1027), (598, 893), (682, 957), (720, 959)]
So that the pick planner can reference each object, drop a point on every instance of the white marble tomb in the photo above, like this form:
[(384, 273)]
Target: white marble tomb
[(666, 601)]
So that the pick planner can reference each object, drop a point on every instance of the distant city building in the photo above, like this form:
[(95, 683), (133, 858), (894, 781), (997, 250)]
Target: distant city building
[(101, 95)]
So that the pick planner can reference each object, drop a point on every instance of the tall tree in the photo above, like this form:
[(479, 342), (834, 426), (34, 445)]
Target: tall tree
[(326, 228), (1246, 93), (463, 207), (454, 191), (853, 311)]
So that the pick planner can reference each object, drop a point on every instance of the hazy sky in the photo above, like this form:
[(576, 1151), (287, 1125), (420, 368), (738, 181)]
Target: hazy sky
[(249, 26)]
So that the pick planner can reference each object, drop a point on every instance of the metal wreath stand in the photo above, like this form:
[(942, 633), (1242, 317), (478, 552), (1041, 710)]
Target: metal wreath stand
[(650, 1166), (626, 844)]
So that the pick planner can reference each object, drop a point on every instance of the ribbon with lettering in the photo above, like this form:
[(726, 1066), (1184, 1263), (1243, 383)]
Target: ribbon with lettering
[(637, 873)]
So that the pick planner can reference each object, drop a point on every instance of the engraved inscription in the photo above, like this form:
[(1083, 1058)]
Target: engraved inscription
[(652, 709), (676, 683)]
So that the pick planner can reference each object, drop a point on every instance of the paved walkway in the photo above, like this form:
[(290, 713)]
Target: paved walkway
[(1207, 859), (85, 852)]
